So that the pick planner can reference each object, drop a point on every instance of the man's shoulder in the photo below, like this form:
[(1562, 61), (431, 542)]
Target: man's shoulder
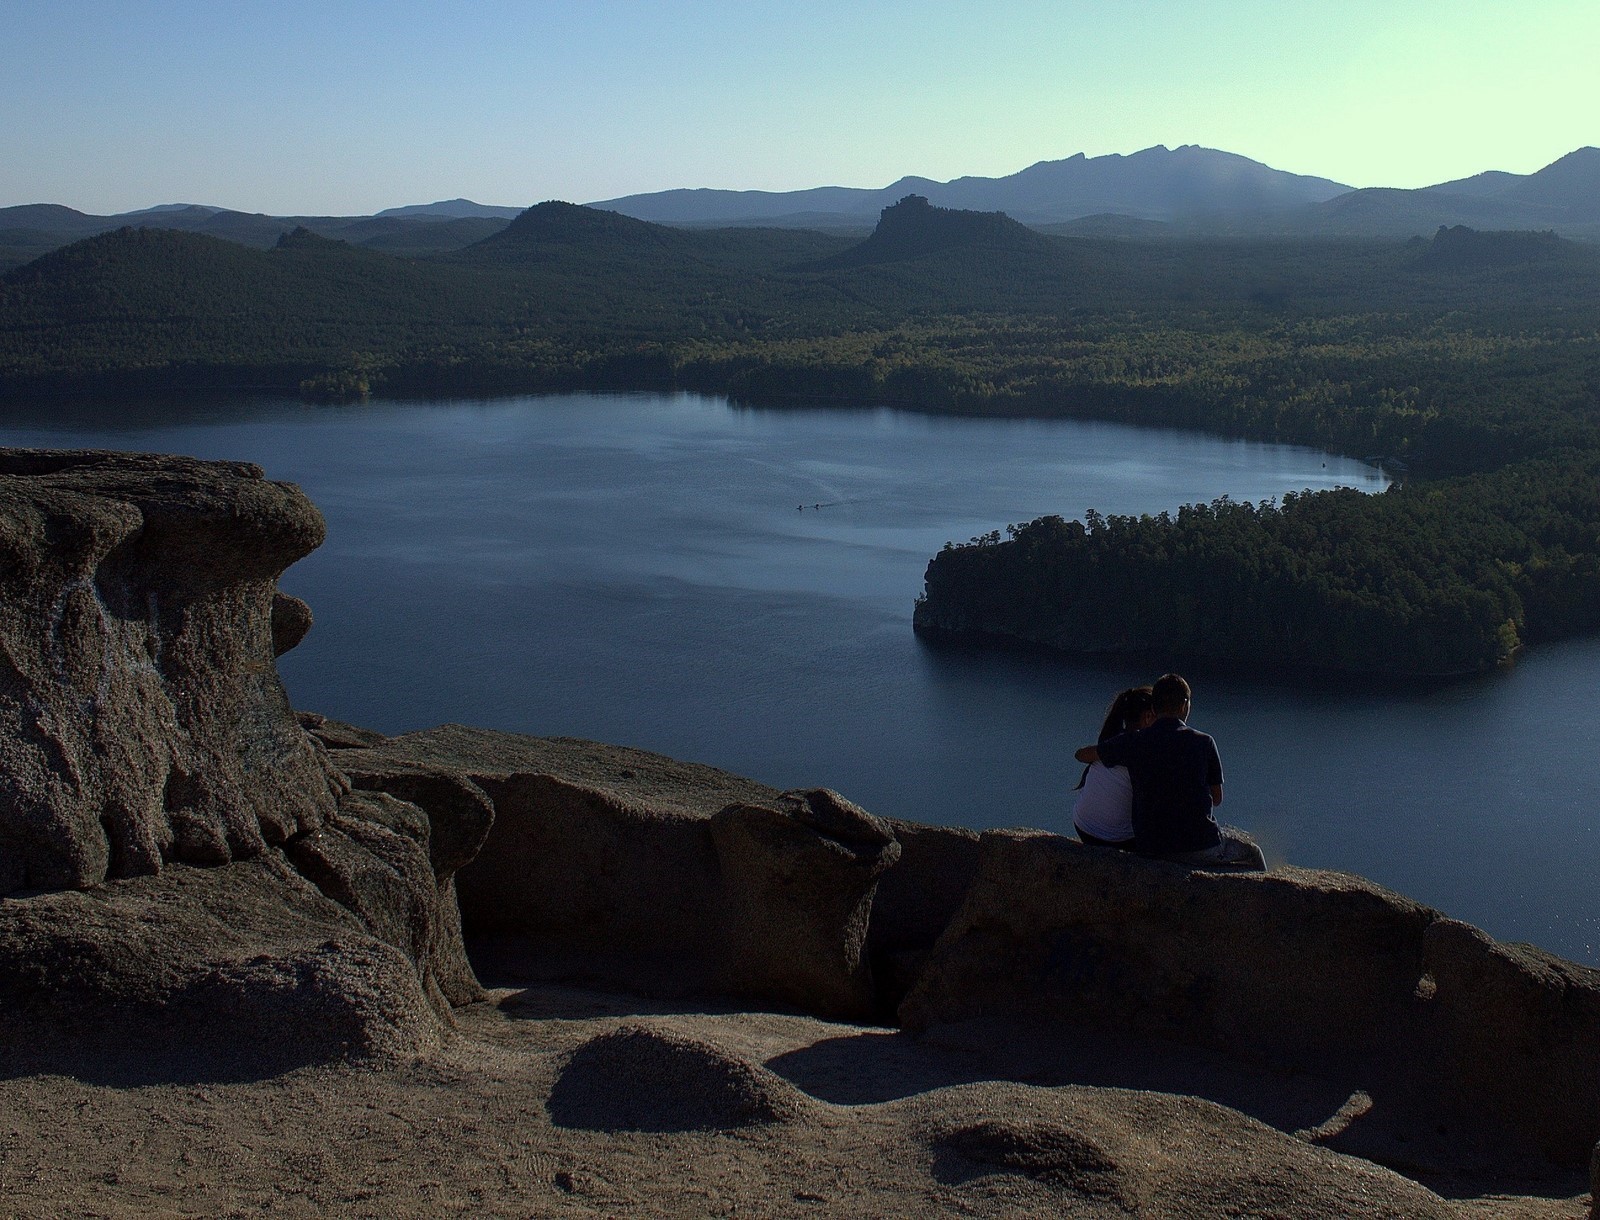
[(1198, 741)]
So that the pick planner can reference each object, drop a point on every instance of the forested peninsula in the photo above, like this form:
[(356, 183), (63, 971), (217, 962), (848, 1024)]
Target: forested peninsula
[(1472, 358)]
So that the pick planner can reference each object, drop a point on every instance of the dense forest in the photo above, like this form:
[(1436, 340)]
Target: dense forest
[(1472, 358)]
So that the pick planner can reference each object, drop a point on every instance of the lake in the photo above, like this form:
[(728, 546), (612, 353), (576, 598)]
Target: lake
[(734, 585)]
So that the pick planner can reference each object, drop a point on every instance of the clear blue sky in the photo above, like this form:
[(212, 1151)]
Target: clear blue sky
[(348, 106)]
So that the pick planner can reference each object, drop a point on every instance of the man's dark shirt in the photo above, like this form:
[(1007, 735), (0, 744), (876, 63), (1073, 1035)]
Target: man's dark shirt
[(1172, 768)]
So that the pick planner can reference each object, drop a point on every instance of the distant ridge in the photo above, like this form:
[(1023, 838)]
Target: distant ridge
[(1156, 194), (1564, 196), (1154, 184), (452, 209)]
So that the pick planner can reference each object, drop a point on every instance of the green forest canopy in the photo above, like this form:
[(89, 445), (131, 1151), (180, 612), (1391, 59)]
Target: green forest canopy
[(1473, 357)]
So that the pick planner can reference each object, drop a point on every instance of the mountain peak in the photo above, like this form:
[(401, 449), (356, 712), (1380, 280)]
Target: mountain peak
[(912, 227)]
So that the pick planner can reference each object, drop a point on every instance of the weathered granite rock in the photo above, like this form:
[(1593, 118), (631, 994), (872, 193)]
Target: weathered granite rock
[(798, 879), (456, 816), (336, 734), (243, 967), (291, 620), (1300, 970), (626, 868), (141, 717), (1515, 1032), (142, 725), (915, 901)]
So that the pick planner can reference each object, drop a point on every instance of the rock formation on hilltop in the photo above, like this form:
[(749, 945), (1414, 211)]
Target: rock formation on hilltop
[(913, 227)]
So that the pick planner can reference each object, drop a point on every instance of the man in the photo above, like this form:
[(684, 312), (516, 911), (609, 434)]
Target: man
[(1177, 782)]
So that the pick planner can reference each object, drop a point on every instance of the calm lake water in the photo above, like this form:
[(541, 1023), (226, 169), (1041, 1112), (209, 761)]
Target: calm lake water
[(637, 569)]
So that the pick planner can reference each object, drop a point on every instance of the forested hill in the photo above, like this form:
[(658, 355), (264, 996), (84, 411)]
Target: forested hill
[(1466, 354)]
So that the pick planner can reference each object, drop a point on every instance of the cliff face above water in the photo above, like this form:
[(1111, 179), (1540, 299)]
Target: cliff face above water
[(199, 880)]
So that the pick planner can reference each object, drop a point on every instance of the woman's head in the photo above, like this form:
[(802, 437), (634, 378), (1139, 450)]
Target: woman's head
[(1129, 710)]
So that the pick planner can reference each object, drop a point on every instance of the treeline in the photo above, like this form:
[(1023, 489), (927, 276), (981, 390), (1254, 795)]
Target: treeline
[(1473, 358), (1432, 578)]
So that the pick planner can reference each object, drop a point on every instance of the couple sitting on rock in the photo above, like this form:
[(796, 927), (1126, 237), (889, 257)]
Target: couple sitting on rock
[(1152, 782)]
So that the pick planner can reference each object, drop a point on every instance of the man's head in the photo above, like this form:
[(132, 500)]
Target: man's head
[(1170, 696)]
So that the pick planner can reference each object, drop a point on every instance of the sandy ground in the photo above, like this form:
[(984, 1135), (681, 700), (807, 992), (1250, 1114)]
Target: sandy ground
[(858, 1121)]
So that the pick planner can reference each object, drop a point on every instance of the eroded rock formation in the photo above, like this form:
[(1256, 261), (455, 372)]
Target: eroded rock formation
[(141, 717), (152, 775)]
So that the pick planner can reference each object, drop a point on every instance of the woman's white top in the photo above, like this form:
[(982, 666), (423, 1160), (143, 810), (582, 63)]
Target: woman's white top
[(1105, 804)]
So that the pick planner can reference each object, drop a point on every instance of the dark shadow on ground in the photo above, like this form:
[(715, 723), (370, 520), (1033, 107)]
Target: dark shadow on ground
[(132, 1058), (1346, 1108)]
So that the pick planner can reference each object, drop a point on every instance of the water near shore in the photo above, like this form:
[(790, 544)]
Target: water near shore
[(734, 586)]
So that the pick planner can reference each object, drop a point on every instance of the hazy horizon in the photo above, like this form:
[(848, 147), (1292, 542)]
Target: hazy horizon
[(348, 107)]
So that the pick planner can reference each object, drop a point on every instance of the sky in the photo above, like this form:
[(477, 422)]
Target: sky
[(346, 107)]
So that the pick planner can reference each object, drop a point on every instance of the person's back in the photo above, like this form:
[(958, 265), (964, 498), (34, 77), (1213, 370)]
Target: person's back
[(1176, 775), (1102, 815)]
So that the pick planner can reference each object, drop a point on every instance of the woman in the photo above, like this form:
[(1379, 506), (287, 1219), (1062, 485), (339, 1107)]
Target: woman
[(1103, 814)]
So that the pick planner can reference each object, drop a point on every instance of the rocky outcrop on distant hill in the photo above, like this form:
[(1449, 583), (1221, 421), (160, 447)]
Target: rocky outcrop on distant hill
[(913, 228), (153, 776)]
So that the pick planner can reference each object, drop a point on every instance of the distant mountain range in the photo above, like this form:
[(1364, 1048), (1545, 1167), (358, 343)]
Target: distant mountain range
[(1174, 192), (1156, 184), (1154, 194), (28, 231)]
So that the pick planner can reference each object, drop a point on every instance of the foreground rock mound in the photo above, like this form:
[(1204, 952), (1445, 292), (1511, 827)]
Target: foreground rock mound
[(175, 849), (1115, 1152), (1044, 1150), (220, 972), (640, 1079)]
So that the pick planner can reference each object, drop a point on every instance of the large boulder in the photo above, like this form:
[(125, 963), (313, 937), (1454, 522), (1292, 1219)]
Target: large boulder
[(144, 733), (1298, 970), (798, 878), (629, 869), (141, 716), (915, 901), (230, 971)]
